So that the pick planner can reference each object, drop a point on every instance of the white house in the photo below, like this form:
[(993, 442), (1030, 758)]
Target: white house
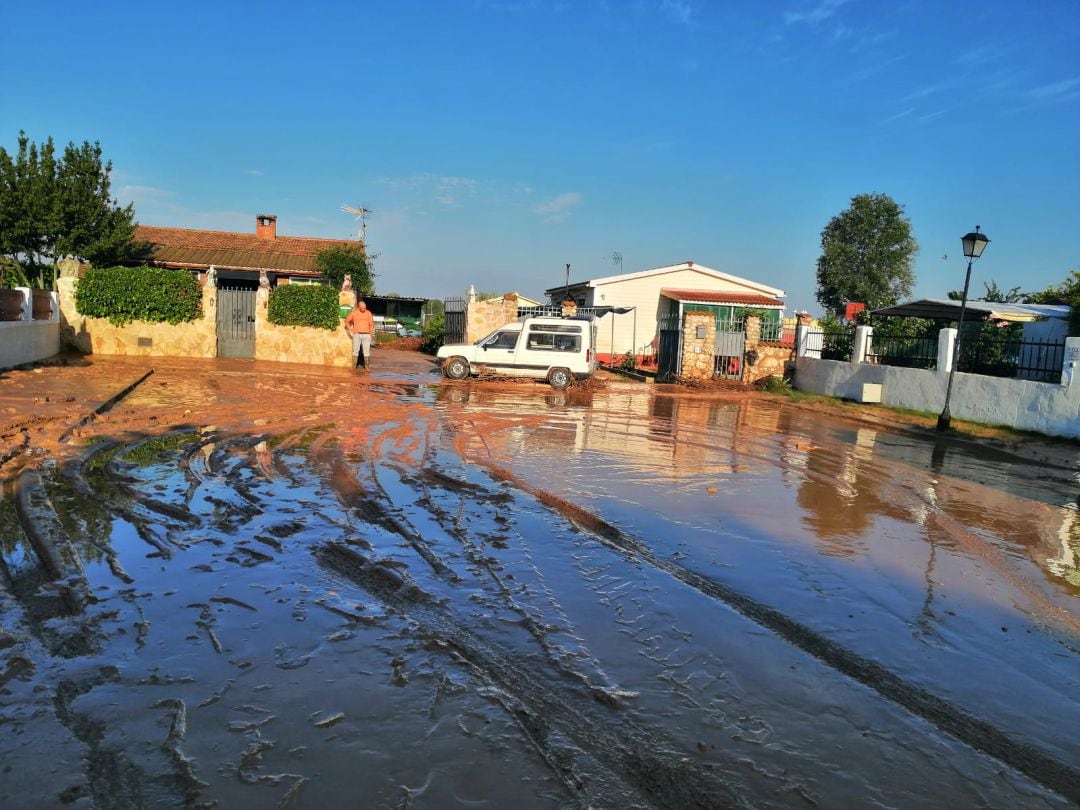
[(663, 292)]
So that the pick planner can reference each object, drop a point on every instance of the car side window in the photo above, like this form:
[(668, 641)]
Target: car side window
[(503, 340), (554, 341)]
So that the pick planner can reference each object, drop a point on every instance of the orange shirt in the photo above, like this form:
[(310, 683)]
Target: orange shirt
[(360, 323)]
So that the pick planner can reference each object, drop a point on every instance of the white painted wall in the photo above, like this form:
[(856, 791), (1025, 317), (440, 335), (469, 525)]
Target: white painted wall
[(1042, 407), (28, 341)]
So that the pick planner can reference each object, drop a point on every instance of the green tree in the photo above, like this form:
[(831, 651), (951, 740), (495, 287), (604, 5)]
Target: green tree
[(1068, 293), (994, 294), (867, 252), (53, 206), (343, 260)]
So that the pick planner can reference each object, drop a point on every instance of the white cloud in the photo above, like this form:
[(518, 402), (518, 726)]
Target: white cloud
[(444, 189), (1066, 90), (681, 11), (824, 10), (557, 208), (254, 172), (449, 190)]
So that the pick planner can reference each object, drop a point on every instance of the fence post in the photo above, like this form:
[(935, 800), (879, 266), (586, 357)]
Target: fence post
[(28, 303), (1070, 370), (945, 349), (863, 335), (802, 334)]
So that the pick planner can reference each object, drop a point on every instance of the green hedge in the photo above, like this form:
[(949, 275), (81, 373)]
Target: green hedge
[(125, 294), (304, 305)]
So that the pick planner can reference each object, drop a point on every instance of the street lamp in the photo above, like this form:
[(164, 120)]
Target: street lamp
[(974, 244)]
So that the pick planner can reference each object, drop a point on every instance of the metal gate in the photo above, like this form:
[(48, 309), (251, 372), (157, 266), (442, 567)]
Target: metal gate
[(669, 347), (454, 320), (235, 322), (730, 346)]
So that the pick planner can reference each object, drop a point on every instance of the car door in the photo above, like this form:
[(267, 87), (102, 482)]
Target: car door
[(497, 352)]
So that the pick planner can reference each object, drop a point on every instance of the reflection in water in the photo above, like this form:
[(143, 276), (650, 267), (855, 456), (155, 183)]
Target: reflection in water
[(848, 481)]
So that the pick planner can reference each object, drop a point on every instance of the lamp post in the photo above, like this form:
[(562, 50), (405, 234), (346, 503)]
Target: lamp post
[(974, 243)]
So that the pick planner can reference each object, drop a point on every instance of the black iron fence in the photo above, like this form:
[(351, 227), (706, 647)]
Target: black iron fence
[(1006, 356), (909, 352), (831, 345)]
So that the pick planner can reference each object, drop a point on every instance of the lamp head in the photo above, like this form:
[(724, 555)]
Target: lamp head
[(974, 243)]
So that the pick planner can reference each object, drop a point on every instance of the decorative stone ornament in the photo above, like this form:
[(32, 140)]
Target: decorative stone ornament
[(264, 280)]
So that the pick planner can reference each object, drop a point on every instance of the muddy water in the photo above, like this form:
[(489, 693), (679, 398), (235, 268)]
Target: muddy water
[(281, 588)]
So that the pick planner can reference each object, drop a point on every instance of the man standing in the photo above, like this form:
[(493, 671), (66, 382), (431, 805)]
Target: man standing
[(360, 326)]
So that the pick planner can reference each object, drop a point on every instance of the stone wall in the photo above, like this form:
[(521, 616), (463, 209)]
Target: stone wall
[(293, 344), (300, 344), (484, 317), (141, 339), (772, 361), (697, 352)]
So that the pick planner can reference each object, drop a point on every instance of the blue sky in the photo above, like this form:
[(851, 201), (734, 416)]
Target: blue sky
[(497, 140)]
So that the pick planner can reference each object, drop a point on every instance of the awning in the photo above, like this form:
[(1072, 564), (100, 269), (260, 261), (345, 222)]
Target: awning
[(946, 309)]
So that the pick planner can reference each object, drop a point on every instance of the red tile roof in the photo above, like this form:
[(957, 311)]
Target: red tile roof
[(184, 247), (715, 297)]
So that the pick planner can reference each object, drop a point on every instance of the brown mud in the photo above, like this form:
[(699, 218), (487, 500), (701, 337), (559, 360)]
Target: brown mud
[(240, 584)]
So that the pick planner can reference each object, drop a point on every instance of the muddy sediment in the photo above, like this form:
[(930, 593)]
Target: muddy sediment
[(246, 585)]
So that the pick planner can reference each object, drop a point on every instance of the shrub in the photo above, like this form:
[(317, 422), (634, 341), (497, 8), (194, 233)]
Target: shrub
[(304, 305), (151, 294), (433, 334)]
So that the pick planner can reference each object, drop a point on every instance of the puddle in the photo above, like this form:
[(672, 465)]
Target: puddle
[(307, 590)]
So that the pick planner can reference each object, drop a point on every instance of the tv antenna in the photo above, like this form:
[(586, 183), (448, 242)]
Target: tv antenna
[(616, 258), (361, 215)]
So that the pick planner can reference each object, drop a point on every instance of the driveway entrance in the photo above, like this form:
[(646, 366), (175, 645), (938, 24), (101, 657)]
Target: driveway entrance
[(236, 322)]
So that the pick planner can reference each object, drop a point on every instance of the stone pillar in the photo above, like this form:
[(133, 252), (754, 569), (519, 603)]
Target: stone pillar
[(863, 336), (510, 307), (753, 332), (945, 346), (698, 346), (346, 297), (73, 332), (1070, 370)]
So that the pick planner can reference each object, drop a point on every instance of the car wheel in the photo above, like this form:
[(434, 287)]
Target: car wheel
[(560, 378), (456, 368)]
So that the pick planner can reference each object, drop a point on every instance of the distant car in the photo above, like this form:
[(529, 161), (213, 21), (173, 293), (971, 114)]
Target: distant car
[(404, 331)]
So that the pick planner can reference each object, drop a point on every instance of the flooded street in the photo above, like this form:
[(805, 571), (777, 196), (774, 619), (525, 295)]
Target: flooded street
[(236, 584)]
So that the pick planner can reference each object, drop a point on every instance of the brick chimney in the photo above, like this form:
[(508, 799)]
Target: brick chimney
[(266, 226)]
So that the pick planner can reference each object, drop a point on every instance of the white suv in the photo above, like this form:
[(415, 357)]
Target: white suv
[(556, 349)]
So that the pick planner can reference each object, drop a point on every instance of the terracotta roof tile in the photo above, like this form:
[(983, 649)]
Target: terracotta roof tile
[(719, 297), (193, 248)]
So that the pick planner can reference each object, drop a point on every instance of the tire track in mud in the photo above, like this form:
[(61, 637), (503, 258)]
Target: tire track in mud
[(602, 758), (1042, 768), (104, 407)]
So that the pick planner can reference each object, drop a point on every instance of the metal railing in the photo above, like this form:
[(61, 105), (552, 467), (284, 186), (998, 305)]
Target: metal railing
[(908, 352), (1037, 360), (772, 331), (832, 345), (556, 312)]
